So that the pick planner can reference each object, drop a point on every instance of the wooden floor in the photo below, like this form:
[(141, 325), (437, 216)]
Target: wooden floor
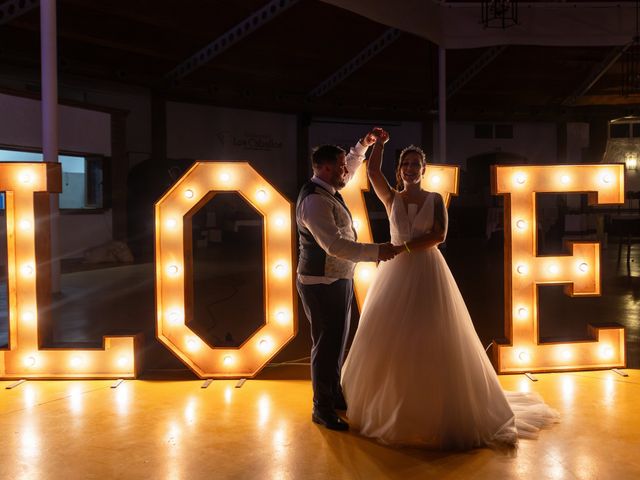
[(176, 430)]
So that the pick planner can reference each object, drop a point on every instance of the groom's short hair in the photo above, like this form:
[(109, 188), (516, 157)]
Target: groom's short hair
[(325, 154)]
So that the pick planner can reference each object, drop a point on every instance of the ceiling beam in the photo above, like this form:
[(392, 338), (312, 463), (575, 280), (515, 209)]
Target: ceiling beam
[(232, 36), (14, 8), (474, 69), (596, 73), (370, 51)]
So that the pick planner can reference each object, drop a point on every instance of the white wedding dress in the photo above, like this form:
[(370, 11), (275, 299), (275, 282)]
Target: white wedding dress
[(417, 373)]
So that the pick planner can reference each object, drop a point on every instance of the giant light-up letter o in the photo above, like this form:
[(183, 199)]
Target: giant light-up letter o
[(173, 222), (27, 205), (437, 178), (525, 270)]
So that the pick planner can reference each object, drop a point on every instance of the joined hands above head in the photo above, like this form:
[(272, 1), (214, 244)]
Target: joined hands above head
[(382, 136), (369, 139)]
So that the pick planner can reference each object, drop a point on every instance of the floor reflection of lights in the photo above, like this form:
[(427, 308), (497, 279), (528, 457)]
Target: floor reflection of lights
[(173, 455), (29, 396), (568, 389), (227, 395), (29, 443), (555, 471), (524, 385), (190, 411), (123, 400), (609, 393), (75, 399), (280, 442), (264, 409)]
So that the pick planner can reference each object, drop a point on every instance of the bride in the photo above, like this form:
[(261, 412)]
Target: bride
[(417, 373)]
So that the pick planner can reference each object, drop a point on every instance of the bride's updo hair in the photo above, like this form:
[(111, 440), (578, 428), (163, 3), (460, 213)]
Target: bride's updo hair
[(405, 151)]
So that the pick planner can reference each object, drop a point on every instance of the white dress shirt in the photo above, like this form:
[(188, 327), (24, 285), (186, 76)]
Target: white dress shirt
[(315, 213)]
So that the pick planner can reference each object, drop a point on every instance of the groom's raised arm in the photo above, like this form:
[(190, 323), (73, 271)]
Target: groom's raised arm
[(356, 154)]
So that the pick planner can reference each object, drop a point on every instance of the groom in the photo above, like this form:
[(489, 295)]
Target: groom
[(328, 252)]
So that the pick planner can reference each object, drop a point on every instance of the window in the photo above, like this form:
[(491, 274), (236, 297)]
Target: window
[(82, 178), (483, 130), (619, 130)]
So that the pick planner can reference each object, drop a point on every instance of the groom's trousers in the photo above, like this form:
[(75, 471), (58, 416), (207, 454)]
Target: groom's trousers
[(328, 308)]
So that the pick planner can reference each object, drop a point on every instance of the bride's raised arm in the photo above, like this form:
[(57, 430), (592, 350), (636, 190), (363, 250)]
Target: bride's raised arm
[(374, 171)]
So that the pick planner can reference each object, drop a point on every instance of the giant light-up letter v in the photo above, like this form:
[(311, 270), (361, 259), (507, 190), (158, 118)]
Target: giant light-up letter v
[(26, 207), (525, 271)]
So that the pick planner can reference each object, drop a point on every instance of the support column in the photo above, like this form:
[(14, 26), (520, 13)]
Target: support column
[(119, 171), (442, 105), (49, 86), (303, 161), (427, 139)]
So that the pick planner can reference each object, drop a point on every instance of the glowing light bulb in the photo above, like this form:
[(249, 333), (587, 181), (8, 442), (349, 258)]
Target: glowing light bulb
[(606, 352), (522, 269), (227, 360), (76, 361), (565, 179), (521, 178), (189, 194), (123, 361), (261, 195), (24, 224), (607, 178), (174, 317), (28, 316), (192, 344), (583, 267), (225, 177), (30, 361), (521, 224), (435, 180), (364, 274), (26, 177), (281, 316), (523, 312), (173, 270), (566, 354), (356, 224), (27, 270), (553, 269), (524, 356), (171, 223), (280, 269), (264, 345), (279, 222)]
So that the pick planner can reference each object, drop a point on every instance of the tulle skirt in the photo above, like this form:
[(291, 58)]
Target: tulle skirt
[(417, 373)]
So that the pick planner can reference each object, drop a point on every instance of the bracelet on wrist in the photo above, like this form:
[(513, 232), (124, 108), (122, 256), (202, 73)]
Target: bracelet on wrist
[(407, 247)]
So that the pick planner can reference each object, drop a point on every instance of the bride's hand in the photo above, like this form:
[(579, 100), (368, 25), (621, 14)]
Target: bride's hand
[(382, 135), (399, 249)]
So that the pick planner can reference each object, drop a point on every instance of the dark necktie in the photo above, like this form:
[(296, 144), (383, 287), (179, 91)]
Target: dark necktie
[(341, 200)]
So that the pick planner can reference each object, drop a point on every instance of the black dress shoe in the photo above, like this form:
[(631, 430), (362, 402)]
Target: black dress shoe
[(330, 421)]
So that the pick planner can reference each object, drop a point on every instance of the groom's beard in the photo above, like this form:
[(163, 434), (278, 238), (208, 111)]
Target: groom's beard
[(338, 182)]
